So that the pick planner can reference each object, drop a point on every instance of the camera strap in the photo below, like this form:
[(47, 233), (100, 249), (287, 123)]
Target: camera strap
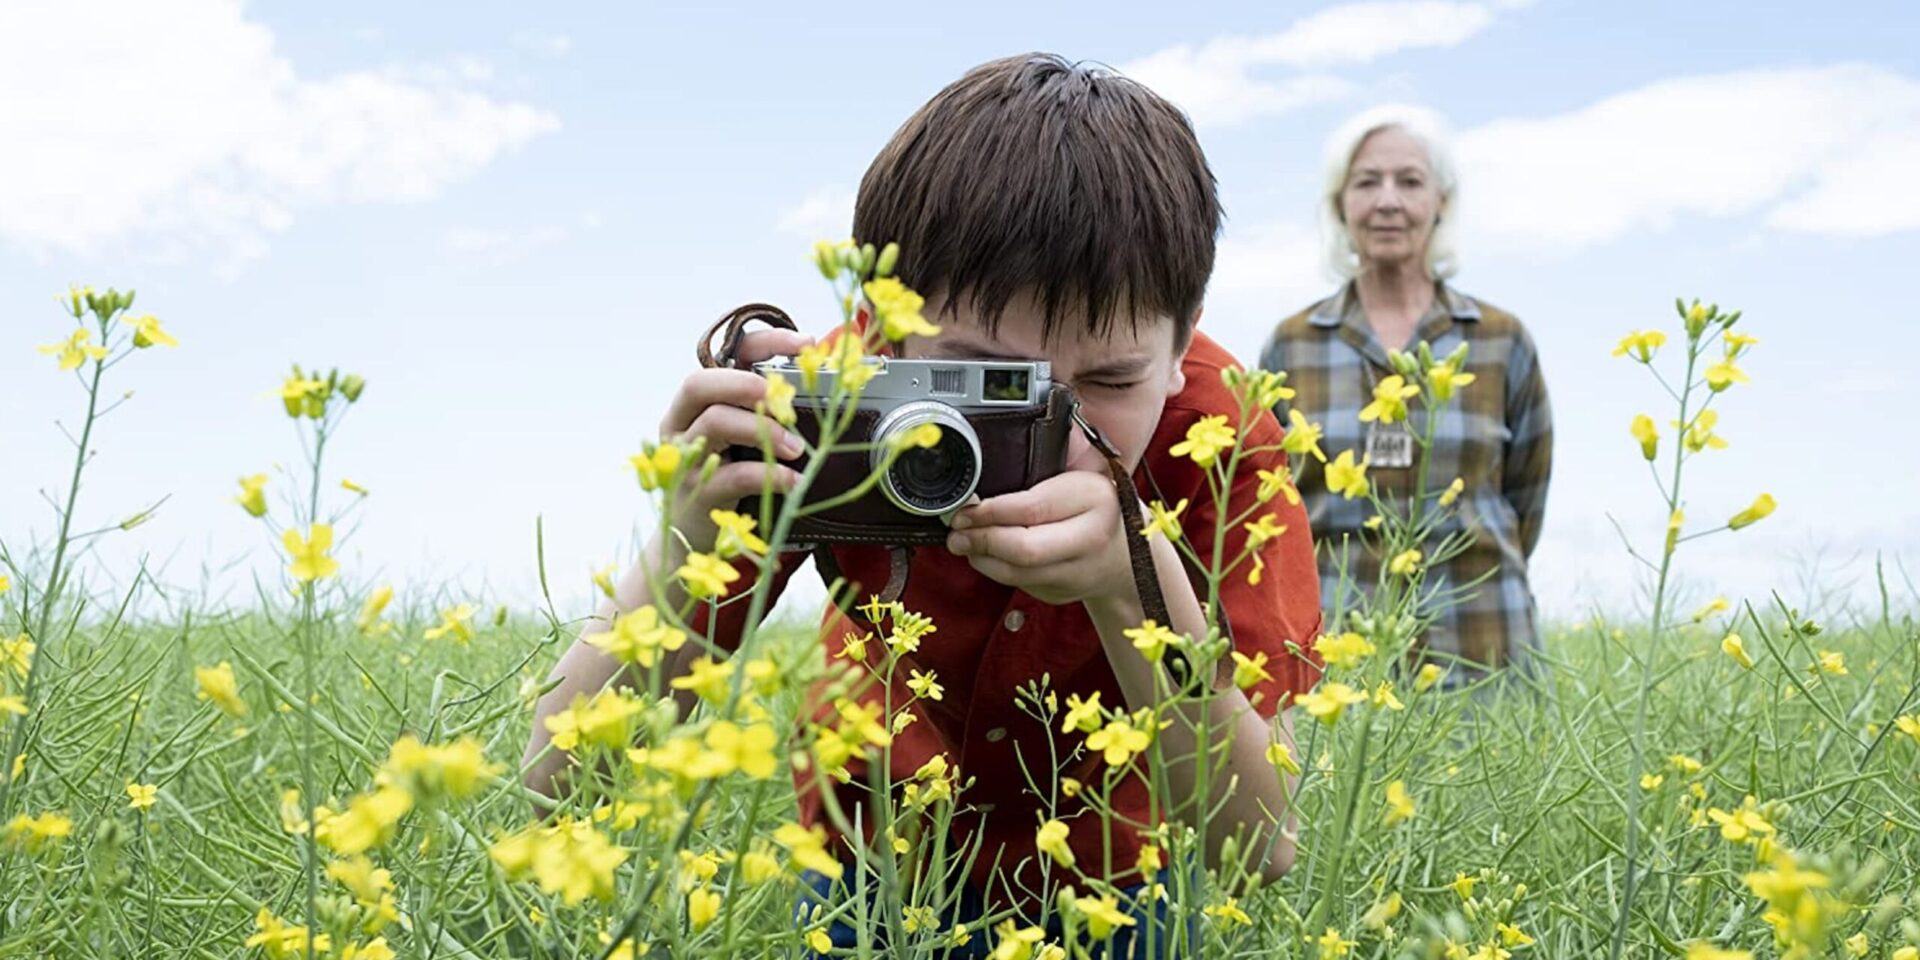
[(1146, 581)]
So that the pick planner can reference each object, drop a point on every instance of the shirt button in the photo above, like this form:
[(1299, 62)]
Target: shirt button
[(1015, 620), (996, 735)]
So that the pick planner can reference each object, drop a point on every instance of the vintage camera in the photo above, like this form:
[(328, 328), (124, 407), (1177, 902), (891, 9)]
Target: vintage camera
[(1003, 424)]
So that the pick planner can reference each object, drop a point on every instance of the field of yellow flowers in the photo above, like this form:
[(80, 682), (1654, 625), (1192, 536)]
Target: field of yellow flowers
[(332, 772)]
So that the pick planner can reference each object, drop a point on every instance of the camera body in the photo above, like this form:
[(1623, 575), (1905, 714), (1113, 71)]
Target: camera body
[(1004, 426)]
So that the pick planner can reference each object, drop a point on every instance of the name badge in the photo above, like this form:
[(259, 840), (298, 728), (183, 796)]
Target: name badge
[(1389, 446)]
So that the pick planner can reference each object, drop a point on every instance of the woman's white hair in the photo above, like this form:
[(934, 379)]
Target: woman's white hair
[(1423, 125)]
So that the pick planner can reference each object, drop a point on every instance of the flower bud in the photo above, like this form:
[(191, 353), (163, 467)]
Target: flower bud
[(889, 257), (351, 386), (867, 257), (1403, 363), (1696, 317), (826, 259)]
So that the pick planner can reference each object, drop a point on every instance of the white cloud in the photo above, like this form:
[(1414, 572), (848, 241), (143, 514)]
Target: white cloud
[(1215, 82), (1819, 150), (545, 44), (1257, 272), (176, 124), (825, 214)]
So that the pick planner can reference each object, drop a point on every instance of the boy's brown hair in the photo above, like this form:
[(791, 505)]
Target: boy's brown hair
[(1034, 175)]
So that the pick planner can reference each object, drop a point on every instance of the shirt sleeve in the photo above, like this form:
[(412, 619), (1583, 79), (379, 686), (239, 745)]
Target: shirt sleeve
[(1277, 611), (1529, 451)]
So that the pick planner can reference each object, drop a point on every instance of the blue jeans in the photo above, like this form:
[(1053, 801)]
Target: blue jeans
[(1149, 936)]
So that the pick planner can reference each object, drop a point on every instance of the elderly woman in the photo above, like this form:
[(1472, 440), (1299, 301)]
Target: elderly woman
[(1387, 208)]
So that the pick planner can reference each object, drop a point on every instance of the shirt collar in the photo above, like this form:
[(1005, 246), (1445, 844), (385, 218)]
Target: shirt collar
[(1335, 308)]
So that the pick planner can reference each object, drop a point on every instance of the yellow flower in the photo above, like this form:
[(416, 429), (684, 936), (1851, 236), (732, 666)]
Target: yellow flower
[(1051, 839), (1329, 945), (38, 832), (1118, 741), (1249, 671), (1347, 478), (369, 619), (1700, 436), (1103, 915), (1831, 662), (1724, 374), (1164, 522), (307, 558), (703, 906), (1383, 696), (1463, 885), (1082, 715), (16, 656), (5, 584), (1430, 674), (1716, 605), (736, 535), (1453, 491), (925, 685), (148, 332), (1909, 725), (779, 401), (279, 941), (1229, 912), (351, 487), (1687, 766), (1404, 564), (1262, 530), (253, 494), (1015, 942), (602, 720), (218, 686), (455, 622), (658, 467), (1274, 482), (1302, 437), (1742, 823), (1400, 806), (1675, 521), (1446, 379), (75, 350), (807, 849), (638, 636), (1651, 781), (898, 308), (1205, 440), (569, 858), (1512, 936), (1329, 700), (819, 941), (304, 397), (458, 769), (1734, 647), (1147, 861), (707, 678), (1757, 511), (1640, 344), (369, 820), (1648, 435), (705, 575), (1904, 953), (1281, 757), (1857, 945), (1343, 650), (1382, 912), (1389, 400), (1737, 343), (140, 796), (1152, 640)]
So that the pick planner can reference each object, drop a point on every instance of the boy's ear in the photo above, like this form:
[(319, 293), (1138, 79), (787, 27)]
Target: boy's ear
[(1177, 375)]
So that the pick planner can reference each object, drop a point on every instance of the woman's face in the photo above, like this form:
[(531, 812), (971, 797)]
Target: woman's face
[(1390, 202)]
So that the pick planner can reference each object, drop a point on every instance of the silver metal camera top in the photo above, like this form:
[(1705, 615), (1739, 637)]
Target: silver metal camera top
[(960, 383)]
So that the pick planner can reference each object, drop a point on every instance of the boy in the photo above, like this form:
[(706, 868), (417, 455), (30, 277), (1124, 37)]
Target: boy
[(1056, 212)]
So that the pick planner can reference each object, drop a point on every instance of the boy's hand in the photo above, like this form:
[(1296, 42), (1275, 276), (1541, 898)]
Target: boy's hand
[(1060, 541), (717, 406)]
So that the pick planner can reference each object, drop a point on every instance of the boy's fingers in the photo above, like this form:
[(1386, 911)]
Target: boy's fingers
[(1036, 546), (724, 426), (705, 388), (1022, 508), (734, 481), (760, 345)]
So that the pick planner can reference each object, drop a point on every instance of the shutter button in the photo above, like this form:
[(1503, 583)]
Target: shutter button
[(1015, 620)]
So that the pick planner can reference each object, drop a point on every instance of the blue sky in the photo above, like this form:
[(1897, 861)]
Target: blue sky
[(513, 221)]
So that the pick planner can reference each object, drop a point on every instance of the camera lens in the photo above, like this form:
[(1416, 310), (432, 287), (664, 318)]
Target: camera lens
[(928, 480)]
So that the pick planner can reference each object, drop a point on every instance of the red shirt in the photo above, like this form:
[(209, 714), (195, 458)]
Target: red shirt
[(991, 640)]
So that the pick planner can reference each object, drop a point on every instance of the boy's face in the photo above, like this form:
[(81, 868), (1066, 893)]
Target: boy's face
[(1123, 377)]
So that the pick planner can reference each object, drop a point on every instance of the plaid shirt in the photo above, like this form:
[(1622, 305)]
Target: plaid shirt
[(1497, 436)]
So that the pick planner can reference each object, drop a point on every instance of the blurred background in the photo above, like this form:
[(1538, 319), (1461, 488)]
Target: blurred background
[(514, 220)]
